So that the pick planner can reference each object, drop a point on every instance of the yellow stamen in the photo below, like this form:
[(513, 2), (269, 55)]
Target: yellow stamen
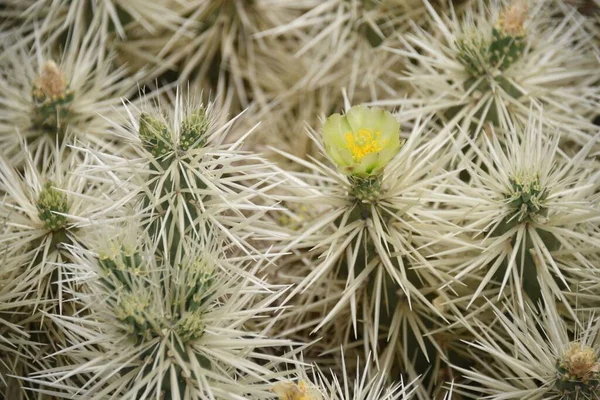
[(362, 143)]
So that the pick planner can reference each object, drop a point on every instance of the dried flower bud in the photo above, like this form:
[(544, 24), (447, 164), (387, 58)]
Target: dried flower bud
[(51, 81), (512, 19), (578, 372), (581, 362), (51, 99)]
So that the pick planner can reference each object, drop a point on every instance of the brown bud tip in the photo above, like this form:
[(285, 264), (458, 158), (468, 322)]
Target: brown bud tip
[(513, 17), (581, 362), (51, 81)]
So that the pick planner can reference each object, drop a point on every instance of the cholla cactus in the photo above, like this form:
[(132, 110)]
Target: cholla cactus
[(341, 37), (147, 251), (373, 232), (44, 213), (537, 357), (17, 350), (589, 9), (336, 51), (214, 45), (175, 329), (185, 180), (532, 210), (491, 65), (315, 385), (78, 17), (53, 98)]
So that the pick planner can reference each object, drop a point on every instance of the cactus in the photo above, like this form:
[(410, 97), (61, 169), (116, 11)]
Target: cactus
[(187, 182), (55, 98), (181, 323), (492, 64), (423, 224), (367, 243)]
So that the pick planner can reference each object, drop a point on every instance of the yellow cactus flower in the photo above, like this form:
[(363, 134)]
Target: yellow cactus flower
[(362, 141)]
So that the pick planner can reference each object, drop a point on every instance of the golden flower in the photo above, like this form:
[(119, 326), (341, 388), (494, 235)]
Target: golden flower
[(363, 141)]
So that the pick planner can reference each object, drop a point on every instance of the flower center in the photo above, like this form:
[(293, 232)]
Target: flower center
[(362, 143)]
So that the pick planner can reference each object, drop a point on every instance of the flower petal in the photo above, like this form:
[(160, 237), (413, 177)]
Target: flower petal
[(356, 117), (370, 162), (334, 129)]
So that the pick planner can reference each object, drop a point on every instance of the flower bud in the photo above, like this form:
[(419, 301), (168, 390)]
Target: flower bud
[(154, 135), (51, 98), (193, 130), (578, 372), (50, 203)]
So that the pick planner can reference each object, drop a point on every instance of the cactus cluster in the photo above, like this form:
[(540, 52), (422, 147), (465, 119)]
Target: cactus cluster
[(299, 200)]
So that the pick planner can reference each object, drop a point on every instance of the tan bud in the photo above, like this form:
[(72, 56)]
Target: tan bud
[(51, 80), (513, 17)]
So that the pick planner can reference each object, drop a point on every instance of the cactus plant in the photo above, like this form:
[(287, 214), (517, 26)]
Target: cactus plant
[(299, 200)]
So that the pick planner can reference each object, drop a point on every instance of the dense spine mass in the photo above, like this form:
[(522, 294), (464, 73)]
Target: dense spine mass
[(299, 200)]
